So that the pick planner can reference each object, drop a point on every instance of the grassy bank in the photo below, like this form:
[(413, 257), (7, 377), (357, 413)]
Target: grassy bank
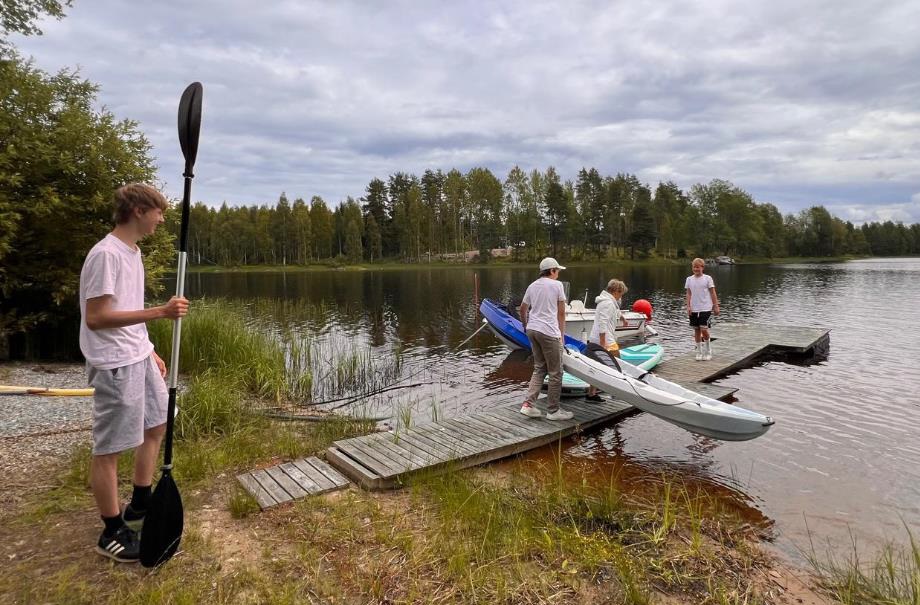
[(524, 532)]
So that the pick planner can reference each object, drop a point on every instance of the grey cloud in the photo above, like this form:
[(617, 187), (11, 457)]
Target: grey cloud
[(798, 104)]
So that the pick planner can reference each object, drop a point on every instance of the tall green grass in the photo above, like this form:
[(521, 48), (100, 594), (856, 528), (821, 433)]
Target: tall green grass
[(892, 578), (279, 351), (549, 522), (229, 367), (216, 338)]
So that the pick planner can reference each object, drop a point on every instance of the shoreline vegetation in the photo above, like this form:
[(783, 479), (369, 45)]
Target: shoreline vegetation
[(529, 530), (499, 263)]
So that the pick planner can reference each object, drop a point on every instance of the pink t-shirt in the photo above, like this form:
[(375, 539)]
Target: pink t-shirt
[(113, 268)]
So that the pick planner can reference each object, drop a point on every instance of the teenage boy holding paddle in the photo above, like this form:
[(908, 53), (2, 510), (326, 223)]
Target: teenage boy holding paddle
[(129, 407)]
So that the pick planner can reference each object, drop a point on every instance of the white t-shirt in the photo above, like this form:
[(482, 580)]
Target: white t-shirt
[(542, 299), (112, 267), (700, 299), (606, 317)]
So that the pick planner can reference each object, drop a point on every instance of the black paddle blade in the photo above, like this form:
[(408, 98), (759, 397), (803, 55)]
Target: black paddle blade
[(190, 123), (163, 524)]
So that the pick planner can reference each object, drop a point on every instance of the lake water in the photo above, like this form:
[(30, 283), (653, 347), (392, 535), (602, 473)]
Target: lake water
[(842, 459)]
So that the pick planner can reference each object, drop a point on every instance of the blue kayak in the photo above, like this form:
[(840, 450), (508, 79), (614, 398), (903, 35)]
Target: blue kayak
[(510, 331)]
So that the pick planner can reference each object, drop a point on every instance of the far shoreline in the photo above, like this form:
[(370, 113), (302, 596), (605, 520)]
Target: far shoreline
[(394, 265)]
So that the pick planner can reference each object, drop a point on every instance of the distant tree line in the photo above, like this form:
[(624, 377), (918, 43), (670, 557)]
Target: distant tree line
[(533, 214), (60, 160)]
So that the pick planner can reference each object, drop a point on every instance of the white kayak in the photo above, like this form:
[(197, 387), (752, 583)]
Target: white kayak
[(667, 400)]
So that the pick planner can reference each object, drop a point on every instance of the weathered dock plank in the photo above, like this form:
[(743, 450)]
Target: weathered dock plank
[(258, 492), (467, 441), (290, 481), (323, 475)]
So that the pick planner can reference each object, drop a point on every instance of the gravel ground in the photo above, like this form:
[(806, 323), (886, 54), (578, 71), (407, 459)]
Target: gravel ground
[(39, 432)]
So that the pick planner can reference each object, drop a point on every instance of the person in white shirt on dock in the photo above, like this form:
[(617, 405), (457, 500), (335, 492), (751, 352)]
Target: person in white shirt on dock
[(543, 317), (702, 302), (602, 344)]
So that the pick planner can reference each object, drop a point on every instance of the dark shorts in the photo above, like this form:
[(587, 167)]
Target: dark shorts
[(701, 319)]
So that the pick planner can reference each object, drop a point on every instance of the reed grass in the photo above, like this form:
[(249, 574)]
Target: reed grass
[(293, 356), (892, 577), (216, 338), (230, 368)]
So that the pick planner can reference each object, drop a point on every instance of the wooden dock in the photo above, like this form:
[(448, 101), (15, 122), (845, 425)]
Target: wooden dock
[(736, 346), (291, 481), (387, 460)]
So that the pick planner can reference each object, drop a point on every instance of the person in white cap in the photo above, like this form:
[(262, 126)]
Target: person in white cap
[(543, 316)]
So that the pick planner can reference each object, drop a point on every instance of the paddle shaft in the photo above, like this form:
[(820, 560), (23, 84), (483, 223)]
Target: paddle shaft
[(177, 324), (165, 518)]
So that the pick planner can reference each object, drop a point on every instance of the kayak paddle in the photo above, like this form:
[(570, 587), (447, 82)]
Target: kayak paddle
[(165, 518)]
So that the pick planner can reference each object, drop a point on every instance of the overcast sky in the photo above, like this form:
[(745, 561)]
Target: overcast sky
[(797, 102)]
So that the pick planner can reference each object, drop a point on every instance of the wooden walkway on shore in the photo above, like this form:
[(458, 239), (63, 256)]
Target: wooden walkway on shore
[(387, 460), (291, 481)]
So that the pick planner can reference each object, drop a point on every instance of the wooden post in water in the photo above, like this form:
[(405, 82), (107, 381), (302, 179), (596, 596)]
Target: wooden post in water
[(476, 291)]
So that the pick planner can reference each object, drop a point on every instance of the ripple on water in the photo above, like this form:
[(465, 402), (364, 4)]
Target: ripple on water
[(844, 453)]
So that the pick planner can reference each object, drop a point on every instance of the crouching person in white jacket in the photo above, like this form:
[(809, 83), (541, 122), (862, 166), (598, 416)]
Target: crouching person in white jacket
[(602, 344)]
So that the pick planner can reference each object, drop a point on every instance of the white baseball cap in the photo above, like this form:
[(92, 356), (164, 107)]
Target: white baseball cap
[(550, 263)]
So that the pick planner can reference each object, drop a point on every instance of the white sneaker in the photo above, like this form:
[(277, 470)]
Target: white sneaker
[(529, 410), (707, 351), (699, 351), (560, 414)]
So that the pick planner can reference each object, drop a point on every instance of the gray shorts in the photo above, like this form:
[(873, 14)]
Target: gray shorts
[(128, 401)]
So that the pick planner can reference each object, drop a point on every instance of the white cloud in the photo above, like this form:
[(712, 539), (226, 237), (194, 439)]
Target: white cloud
[(908, 212), (800, 104)]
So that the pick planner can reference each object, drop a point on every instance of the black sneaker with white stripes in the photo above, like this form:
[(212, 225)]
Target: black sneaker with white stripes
[(123, 546), (133, 518)]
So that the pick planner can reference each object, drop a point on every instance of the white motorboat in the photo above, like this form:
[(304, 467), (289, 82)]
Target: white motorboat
[(579, 319), (667, 400)]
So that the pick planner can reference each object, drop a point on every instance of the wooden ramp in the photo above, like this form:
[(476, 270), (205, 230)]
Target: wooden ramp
[(291, 481), (736, 346), (386, 460)]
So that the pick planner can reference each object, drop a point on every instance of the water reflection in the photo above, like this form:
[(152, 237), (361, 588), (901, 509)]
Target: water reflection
[(845, 452), (601, 458)]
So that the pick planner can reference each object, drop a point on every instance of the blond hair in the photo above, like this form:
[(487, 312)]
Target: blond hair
[(136, 195), (698, 261), (615, 285)]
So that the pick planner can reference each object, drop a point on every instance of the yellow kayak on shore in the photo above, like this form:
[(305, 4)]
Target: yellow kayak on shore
[(45, 391)]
